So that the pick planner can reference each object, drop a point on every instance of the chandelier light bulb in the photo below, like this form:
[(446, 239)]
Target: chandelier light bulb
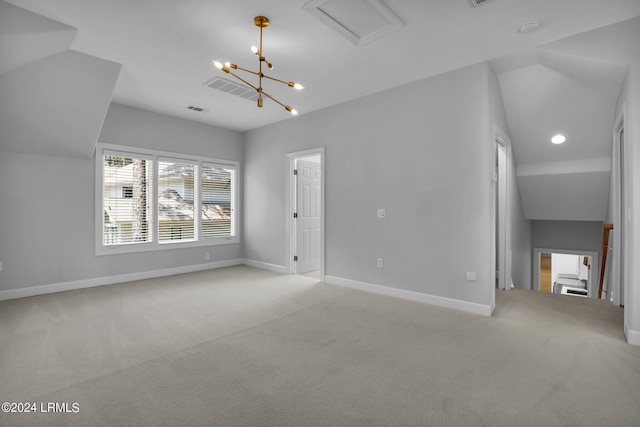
[(261, 22)]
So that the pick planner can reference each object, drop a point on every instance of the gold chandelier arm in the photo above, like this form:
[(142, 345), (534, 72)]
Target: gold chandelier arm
[(261, 22), (290, 84), (277, 80), (286, 107), (244, 69), (273, 99), (243, 80)]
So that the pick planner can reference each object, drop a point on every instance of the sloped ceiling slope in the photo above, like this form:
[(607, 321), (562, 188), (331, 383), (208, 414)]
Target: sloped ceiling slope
[(571, 190), (53, 100), (614, 43), (572, 91), (26, 37), (166, 47)]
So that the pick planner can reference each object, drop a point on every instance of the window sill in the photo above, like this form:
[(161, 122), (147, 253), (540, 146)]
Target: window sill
[(164, 246)]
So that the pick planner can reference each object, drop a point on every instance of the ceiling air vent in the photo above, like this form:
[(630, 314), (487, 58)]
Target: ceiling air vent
[(478, 3), (233, 88), (198, 109)]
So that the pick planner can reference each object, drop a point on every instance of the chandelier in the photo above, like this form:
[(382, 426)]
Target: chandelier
[(261, 22)]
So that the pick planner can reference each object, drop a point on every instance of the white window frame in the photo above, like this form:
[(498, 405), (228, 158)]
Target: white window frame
[(154, 244)]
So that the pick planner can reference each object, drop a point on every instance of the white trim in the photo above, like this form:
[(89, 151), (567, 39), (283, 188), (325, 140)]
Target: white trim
[(290, 197), (112, 280), (633, 337), (469, 307), (266, 266), (619, 254), (504, 227)]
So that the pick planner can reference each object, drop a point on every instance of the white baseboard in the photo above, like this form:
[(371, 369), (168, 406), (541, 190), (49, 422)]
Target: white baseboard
[(633, 337), (111, 280), (354, 284), (455, 304), (266, 266)]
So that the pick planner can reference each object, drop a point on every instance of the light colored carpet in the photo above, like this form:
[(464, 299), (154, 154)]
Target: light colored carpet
[(244, 347)]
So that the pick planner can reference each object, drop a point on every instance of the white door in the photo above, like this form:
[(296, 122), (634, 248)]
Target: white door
[(308, 197)]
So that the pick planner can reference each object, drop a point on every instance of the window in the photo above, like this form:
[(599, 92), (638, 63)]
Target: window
[(217, 198), (176, 219), (126, 214), (148, 200)]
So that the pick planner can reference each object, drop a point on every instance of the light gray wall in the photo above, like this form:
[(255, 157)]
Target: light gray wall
[(521, 250), (630, 100), (47, 204), (520, 227), (423, 152), (574, 235)]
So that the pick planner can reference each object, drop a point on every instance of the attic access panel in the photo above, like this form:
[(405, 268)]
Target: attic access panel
[(360, 21)]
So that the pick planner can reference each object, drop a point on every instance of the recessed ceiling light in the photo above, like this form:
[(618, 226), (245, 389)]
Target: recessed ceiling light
[(529, 27), (558, 139)]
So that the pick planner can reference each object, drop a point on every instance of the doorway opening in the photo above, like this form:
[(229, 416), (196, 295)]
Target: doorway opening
[(617, 284), (500, 211), (305, 219), (566, 272)]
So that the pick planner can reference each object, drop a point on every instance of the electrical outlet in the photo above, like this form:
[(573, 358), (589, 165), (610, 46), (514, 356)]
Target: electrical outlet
[(382, 213), (207, 256), (379, 262)]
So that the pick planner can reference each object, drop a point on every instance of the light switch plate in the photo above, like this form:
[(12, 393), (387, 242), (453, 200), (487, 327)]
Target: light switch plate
[(471, 276)]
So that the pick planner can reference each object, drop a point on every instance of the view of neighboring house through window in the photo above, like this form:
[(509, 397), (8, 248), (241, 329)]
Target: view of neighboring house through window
[(125, 201), (150, 201), (216, 201), (176, 200)]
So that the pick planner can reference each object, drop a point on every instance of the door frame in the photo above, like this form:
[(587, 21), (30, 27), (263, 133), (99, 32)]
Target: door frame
[(504, 225), (291, 208), (593, 273), (619, 258)]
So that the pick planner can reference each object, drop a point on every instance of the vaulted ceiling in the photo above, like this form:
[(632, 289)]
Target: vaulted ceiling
[(64, 61)]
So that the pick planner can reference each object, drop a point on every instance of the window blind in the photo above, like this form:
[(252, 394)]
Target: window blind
[(126, 204), (148, 200), (217, 201), (176, 199)]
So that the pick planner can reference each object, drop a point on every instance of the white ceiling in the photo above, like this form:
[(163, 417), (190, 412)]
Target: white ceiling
[(563, 78), (166, 47), (561, 94)]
